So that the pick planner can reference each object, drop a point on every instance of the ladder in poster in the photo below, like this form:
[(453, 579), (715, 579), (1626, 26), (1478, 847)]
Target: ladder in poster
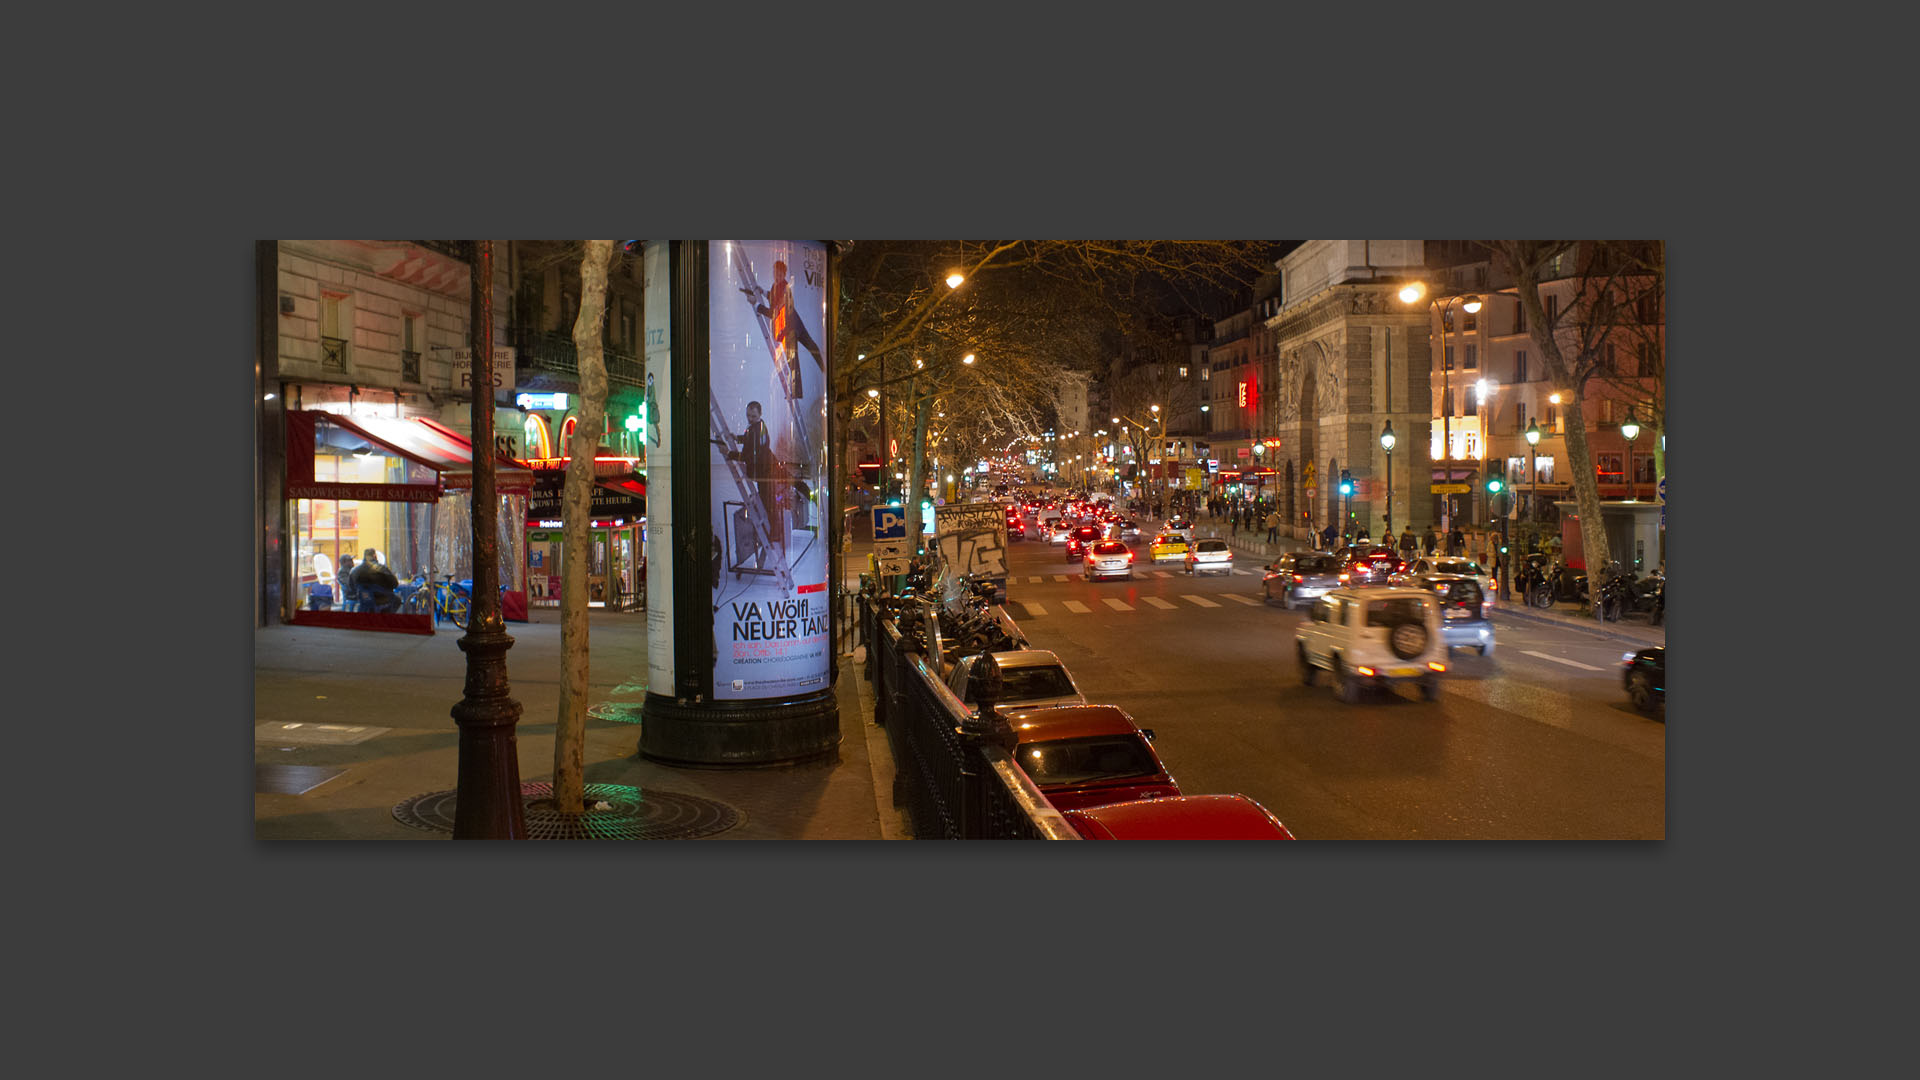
[(749, 498), (758, 298)]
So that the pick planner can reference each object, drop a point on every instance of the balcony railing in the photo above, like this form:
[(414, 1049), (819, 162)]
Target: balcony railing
[(333, 353), (551, 352), (410, 365)]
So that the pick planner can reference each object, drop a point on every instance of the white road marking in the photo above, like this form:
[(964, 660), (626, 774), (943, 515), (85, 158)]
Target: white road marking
[(1201, 600), (1059, 577), (1034, 580), (1163, 573), (1078, 608), (1562, 660), (1033, 608), (1163, 605), (1247, 600), (1117, 605)]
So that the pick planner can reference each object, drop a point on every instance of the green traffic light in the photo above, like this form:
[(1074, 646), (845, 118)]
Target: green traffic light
[(1493, 486)]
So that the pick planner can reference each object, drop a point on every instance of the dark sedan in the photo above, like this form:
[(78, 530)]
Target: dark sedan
[(1644, 674), (1367, 565), (1079, 538)]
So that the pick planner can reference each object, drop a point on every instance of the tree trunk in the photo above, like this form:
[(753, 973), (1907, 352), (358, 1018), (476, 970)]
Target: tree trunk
[(1586, 499), (576, 519)]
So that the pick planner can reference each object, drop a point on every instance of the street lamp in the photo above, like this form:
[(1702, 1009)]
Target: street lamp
[(1631, 429), (1469, 303), (1386, 443), (1533, 471)]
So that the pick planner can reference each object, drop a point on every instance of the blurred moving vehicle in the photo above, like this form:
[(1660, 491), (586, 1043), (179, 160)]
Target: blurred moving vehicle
[(1463, 610), (1644, 675), (1128, 529), (1029, 678), (1105, 559), (1300, 577), (1182, 817), (1209, 557), (1167, 546), (1368, 564), (1374, 637), (1088, 755), (1431, 565), (1180, 526), (1057, 530)]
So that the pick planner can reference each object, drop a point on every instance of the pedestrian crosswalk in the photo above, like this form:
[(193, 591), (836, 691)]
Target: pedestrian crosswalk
[(1035, 579), (1036, 609)]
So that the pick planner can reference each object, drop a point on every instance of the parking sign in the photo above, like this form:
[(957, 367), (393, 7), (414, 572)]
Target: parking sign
[(889, 523)]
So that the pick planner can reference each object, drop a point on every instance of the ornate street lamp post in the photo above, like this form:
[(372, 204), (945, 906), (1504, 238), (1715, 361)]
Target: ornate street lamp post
[(1630, 428), (1386, 443), (1533, 472)]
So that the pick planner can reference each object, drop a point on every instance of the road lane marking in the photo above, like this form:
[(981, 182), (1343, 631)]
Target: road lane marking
[(1247, 600), (1561, 660), (1059, 577), (1078, 608), (1034, 580), (1201, 600), (1163, 573), (1033, 608), (1117, 605), (1163, 605)]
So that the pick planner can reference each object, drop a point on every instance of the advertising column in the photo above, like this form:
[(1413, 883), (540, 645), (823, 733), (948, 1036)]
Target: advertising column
[(751, 675)]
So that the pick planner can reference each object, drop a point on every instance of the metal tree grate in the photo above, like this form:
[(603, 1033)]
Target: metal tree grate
[(630, 815)]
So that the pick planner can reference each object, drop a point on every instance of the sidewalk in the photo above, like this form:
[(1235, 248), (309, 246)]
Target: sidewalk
[(1633, 630), (371, 716)]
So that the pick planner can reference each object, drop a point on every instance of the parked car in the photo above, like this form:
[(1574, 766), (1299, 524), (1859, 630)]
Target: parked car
[(1088, 755), (1209, 557), (1029, 678), (1183, 817), (1107, 558), (1463, 610), (1645, 676), (1378, 637), (1369, 565), (1167, 546), (1429, 565), (1298, 578)]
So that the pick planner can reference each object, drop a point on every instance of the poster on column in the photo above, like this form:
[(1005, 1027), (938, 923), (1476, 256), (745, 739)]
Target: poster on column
[(767, 451), (659, 531)]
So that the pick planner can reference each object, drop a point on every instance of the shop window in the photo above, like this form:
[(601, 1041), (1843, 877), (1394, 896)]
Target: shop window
[(1608, 466)]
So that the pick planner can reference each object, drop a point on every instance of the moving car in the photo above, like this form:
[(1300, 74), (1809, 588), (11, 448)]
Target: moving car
[(1129, 530), (1107, 558), (1463, 610), (1209, 557), (1183, 817), (1644, 675), (1180, 526), (1088, 755), (1429, 565), (1369, 565), (1167, 546), (1029, 678), (1079, 538), (1300, 577), (1057, 530), (1374, 637)]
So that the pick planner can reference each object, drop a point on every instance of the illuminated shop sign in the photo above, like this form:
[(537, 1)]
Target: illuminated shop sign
[(541, 401)]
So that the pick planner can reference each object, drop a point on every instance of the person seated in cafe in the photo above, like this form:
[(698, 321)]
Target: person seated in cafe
[(376, 584), (348, 592)]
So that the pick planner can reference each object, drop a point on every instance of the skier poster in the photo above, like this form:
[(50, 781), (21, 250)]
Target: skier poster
[(767, 452)]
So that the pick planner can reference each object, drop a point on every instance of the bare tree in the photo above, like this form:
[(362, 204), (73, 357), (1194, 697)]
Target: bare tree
[(1608, 295), (569, 740), (1643, 385)]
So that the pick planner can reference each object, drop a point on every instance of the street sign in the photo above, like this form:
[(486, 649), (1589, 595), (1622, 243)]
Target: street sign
[(889, 523), (1663, 489), (1312, 491), (1451, 489)]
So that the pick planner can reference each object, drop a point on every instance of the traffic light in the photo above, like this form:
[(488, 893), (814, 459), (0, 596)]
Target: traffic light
[(1494, 484), (1346, 482)]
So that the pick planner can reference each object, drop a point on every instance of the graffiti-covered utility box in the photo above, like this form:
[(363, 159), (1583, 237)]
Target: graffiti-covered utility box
[(972, 539)]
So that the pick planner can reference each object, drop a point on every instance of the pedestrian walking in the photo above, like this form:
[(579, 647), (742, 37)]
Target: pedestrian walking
[(1406, 545), (1327, 535), (1273, 526), (1456, 541), (1428, 540)]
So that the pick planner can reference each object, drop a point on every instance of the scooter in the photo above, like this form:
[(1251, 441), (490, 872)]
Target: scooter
[(1616, 593)]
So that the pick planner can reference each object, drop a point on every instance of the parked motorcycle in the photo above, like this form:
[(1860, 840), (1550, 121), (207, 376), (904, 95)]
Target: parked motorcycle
[(1545, 582), (1616, 593)]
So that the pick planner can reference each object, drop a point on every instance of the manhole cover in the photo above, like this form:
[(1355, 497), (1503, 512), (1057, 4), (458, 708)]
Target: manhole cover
[(630, 814), (617, 712)]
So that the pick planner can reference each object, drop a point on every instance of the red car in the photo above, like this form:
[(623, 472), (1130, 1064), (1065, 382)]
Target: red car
[(1088, 755), (1189, 817)]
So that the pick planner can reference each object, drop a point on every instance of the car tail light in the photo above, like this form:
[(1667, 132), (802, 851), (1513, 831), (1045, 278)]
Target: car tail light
[(1436, 666), (1298, 578), (1364, 671), (1129, 556), (1344, 577)]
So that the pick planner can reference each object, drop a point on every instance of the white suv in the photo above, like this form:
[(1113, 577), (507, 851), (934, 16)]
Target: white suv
[(1377, 636)]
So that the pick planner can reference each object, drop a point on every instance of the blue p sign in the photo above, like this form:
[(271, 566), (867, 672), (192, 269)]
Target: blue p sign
[(889, 523)]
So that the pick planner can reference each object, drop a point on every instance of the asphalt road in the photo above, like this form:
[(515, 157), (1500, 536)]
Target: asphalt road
[(1536, 741)]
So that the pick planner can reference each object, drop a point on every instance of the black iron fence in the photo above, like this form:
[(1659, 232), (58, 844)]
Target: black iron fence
[(953, 765)]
